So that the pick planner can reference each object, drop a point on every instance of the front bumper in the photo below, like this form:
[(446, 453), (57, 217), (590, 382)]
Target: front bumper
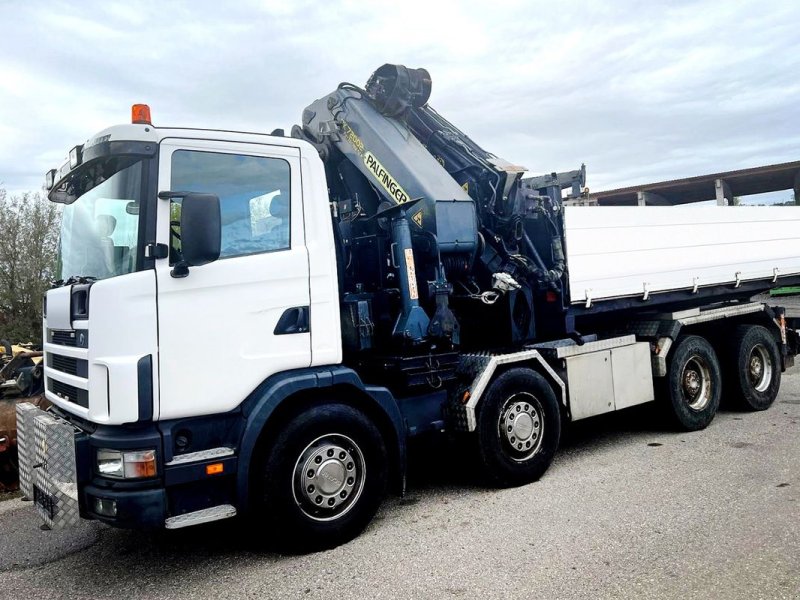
[(55, 464), (56, 461), (134, 508)]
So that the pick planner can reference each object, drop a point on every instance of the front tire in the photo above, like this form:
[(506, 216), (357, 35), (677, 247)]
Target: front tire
[(753, 368), (692, 385), (322, 480), (518, 429)]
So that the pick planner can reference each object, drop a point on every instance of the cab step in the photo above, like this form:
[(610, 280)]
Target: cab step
[(206, 515)]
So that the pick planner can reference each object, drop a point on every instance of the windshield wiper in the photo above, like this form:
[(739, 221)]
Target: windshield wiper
[(74, 279)]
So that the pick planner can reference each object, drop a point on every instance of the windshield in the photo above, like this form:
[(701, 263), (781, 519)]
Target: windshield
[(100, 229)]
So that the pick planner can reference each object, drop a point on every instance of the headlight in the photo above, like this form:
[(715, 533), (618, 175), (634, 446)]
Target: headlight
[(109, 463), (126, 465)]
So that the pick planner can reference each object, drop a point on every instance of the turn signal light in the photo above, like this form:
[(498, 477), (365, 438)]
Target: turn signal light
[(140, 464), (140, 114), (214, 469)]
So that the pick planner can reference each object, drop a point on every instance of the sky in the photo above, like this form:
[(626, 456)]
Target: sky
[(639, 91)]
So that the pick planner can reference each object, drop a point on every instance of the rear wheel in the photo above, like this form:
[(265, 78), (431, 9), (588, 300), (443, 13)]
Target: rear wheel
[(692, 384), (322, 480), (519, 426), (753, 368)]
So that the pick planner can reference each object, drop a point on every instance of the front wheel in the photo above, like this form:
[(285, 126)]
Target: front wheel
[(322, 480), (692, 384), (519, 426)]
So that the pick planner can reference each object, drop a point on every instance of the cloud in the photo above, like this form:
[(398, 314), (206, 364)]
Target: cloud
[(639, 91)]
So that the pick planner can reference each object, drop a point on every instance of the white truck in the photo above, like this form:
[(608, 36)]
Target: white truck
[(256, 325)]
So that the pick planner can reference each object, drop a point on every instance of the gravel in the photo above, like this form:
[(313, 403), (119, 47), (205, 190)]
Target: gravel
[(628, 509)]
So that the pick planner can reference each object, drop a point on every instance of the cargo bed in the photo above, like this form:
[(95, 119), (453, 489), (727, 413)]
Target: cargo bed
[(637, 251)]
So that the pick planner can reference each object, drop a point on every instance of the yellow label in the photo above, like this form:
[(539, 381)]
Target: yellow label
[(465, 187), (417, 217), (351, 137), (413, 293), (385, 179)]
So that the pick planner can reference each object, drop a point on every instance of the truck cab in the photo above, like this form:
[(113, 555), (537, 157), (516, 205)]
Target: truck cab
[(141, 346), (132, 308)]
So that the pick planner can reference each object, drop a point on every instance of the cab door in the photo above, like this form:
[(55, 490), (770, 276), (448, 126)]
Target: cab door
[(232, 323)]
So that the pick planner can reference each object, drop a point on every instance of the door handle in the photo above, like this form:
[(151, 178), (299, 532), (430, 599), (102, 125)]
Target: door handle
[(293, 320)]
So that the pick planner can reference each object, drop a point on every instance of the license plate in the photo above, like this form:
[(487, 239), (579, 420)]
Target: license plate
[(47, 502)]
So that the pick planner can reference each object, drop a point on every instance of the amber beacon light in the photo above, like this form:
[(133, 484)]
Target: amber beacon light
[(140, 114)]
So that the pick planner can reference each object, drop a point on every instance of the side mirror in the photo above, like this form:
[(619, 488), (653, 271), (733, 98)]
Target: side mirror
[(201, 231)]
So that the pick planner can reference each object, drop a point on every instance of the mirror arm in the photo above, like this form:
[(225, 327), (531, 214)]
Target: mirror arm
[(180, 270)]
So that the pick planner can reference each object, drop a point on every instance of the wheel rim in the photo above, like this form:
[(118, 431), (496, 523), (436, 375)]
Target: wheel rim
[(328, 477), (696, 382), (521, 426), (759, 368)]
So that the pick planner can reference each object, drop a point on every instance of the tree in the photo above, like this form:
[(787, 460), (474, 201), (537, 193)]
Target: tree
[(28, 244)]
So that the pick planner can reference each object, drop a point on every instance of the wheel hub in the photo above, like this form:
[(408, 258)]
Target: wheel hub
[(691, 382), (329, 477), (696, 383), (520, 425), (756, 367), (760, 368), (523, 426)]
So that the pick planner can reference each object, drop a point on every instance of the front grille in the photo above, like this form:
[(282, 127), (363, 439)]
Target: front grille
[(62, 338), (68, 392), (65, 364), (68, 337)]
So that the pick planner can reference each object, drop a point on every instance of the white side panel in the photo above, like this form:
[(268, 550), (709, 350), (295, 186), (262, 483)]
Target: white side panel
[(122, 316), (615, 251), (326, 336)]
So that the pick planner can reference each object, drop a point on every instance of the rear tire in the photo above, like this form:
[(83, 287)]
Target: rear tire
[(518, 429), (691, 388), (322, 479), (752, 369)]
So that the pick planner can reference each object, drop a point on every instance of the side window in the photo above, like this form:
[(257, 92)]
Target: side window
[(254, 198)]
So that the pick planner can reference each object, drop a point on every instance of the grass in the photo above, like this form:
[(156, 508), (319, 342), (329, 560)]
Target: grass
[(785, 291), (10, 495)]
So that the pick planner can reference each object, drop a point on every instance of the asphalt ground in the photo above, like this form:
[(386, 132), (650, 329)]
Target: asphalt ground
[(627, 510)]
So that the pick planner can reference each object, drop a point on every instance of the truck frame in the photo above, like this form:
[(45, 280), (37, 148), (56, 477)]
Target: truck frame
[(257, 325)]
